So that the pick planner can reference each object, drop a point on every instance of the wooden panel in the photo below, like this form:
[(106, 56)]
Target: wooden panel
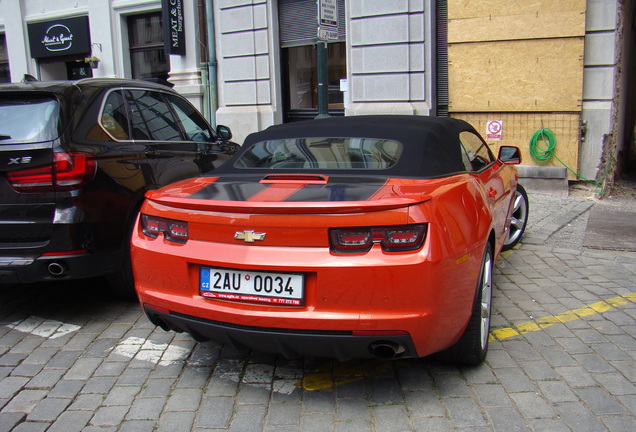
[(518, 129), (484, 8), (525, 75), (530, 25)]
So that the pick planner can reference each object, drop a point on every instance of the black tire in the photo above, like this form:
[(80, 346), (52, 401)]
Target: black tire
[(518, 218), (122, 283), (472, 347)]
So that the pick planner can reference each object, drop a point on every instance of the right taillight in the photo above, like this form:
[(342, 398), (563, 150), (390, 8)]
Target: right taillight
[(172, 230), (68, 171), (399, 238)]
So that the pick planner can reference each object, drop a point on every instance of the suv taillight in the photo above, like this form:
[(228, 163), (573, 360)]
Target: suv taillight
[(392, 238), (69, 171)]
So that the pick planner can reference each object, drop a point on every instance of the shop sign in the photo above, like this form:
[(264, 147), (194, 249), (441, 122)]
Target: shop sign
[(173, 27), (60, 37)]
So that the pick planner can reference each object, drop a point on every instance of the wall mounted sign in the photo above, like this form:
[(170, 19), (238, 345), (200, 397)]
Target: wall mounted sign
[(494, 130), (173, 27), (60, 37)]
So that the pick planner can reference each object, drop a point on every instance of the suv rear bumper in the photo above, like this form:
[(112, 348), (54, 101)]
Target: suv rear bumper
[(24, 269)]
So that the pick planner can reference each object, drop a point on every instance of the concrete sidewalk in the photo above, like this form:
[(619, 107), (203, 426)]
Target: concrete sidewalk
[(562, 221)]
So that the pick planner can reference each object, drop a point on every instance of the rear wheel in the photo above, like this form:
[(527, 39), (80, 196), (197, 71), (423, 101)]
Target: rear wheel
[(122, 283), (472, 347), (518, 218)]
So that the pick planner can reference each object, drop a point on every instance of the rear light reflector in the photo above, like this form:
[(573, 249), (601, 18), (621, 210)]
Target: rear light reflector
[(68, 171), (172, 230), (65, 253), (391, 238), (157, 308)]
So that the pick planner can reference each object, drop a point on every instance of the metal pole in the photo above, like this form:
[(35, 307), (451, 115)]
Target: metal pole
[(209, 11), (323, 79)]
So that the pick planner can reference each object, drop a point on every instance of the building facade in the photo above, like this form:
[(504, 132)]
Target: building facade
[(253, 63)]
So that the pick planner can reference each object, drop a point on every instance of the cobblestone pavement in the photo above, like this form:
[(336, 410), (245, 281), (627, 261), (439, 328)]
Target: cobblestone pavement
[(562, 358)]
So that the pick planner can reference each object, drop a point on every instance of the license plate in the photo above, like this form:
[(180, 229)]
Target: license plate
[(262, 287)]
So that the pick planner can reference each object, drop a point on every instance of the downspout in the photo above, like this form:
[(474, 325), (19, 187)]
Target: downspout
[(212, 65)]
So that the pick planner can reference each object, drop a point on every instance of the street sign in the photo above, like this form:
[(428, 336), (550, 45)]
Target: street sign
[(328, 20), (326, 34), (328, 13)]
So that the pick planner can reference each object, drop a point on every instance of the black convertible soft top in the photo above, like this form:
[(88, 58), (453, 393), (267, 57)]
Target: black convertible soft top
[(431, 144)]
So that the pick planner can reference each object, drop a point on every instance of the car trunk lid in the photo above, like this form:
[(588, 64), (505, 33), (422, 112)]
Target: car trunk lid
[(294, 193), (290, 210)]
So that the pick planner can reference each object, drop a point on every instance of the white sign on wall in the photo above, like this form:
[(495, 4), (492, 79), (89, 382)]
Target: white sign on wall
[(494, 130)]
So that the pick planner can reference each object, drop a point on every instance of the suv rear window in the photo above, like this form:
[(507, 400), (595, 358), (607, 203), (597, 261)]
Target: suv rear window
[(322, 153), (28, 119)]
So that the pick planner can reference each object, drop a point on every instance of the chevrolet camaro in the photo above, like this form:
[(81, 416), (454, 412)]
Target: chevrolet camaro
[(348, 237)]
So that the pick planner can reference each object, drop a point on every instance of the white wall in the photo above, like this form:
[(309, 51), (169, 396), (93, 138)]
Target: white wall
[(598, 82), (248, 65), (389, 58)]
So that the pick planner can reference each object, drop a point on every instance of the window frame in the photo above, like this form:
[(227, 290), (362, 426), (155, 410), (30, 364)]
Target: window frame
[(471, 150), (165, 96), (4, 61), (137, 48)]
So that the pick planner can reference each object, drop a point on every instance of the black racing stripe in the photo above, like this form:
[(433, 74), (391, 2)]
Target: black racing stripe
[(230, 191), (339, 188), (335, 192)]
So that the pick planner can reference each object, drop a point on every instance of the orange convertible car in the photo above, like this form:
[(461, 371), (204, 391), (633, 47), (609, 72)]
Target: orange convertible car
[(370, 236)]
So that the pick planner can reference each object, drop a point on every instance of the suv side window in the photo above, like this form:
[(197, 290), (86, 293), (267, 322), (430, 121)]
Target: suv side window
[(152, 118), (114, 116), (475, 152), (196, 129)]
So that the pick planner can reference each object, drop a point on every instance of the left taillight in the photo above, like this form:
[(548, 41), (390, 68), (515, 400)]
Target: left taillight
[(69, 171), (172, 230), (400, 238)]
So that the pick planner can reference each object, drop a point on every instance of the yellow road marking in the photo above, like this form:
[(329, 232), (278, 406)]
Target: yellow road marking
[(335, 373), (568, 316)]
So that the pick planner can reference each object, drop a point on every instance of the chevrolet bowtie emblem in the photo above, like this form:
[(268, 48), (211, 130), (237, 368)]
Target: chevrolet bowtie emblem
[(249, 236)]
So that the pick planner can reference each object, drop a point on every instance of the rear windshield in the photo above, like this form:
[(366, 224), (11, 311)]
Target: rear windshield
[(322, 153), (32, 119)]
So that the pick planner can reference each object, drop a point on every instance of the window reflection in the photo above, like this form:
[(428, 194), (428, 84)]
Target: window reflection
[(302, 81), (147, 57)]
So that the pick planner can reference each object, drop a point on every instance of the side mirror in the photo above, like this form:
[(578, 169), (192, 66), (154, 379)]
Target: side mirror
[(509, 155), (224, 133)]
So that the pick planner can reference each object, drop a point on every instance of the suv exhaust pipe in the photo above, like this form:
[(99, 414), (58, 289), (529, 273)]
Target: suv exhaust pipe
[(57, 269)]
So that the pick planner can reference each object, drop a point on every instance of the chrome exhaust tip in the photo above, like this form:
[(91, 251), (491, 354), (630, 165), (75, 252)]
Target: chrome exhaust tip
[(57, 269), (386, 350)]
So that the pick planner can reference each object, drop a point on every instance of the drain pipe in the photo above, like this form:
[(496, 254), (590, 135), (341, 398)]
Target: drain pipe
[(212, 65)]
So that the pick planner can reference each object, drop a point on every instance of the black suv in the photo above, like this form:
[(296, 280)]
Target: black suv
[(76, 158)]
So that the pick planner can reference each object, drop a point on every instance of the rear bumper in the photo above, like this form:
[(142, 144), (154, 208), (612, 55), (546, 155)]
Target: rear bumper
[(27, 269), (290, 343)]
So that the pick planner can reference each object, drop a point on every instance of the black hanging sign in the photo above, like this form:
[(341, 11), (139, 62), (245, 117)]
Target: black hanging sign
[(60, 37), (173, 27)]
